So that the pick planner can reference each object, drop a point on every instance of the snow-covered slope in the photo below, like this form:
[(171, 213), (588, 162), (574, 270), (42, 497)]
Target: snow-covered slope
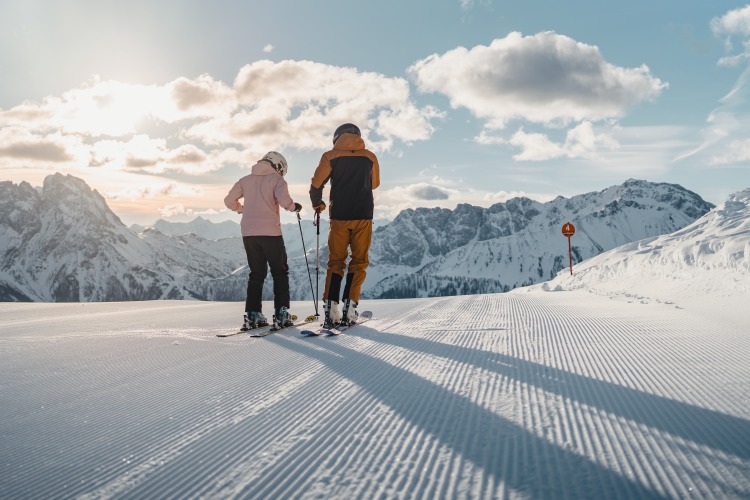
[(527, 394), (519, 395), (707, 260)]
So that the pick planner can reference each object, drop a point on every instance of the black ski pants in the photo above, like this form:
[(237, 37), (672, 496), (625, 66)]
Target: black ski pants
[(262, 252)]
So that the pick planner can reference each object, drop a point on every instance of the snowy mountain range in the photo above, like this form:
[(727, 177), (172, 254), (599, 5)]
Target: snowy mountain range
[(198, 226), (62, 243), (428, 252)]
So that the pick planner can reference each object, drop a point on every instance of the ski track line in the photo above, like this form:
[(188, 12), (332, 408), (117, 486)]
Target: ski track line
[(601, 441), (262, 448), (347, 464), (109, 435), (398, 447), (435, 453), (433, 429), (452, 375), (274, 436), (324, 439), (210, 424), (309, 412), (441, 451), (273, 472), (669, 480), (525, 396), (327, 481), (604, 370)]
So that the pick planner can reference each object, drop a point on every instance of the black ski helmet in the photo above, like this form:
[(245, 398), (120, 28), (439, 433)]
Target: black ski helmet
[(346, 128)]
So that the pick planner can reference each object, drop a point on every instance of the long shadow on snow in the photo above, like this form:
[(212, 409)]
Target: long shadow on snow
[(699, 425), (539, 468)]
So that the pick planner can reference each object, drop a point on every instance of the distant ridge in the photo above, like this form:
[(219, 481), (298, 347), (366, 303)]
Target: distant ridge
[(198, 226), (63, 243)]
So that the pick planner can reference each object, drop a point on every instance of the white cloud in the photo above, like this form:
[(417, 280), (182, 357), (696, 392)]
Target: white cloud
[(443, 194), (546, 78), (176, 209), (188, 99), (268, 48), (736, 152), (734, 23), (300, 103), (22, 147), (199, 125), (724, 139), (581, 141)]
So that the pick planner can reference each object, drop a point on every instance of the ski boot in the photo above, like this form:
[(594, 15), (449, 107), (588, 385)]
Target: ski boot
[(253, 320), (349, 315), (282, 318), (332, 314)]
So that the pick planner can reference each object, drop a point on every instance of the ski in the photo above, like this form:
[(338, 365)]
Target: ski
[(364, 316), (229, 334), (268, 331), (262, 331)]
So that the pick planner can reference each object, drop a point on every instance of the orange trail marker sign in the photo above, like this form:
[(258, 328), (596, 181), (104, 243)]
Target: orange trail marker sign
[(569, 230)]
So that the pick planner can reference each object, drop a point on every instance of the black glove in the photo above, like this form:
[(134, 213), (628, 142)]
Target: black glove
[(320, 207), (297, 207)]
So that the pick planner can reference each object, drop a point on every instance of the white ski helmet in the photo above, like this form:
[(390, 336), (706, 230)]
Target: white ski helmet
[(278, 162)]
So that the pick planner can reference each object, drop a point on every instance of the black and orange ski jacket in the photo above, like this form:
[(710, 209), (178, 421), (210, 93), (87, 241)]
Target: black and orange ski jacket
[(354, 173)]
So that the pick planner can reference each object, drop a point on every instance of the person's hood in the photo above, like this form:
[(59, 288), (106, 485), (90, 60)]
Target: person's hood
[(263, 168), (350, 142)]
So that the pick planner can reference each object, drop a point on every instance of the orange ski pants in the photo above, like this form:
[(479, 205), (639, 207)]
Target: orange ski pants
[(342, 236)]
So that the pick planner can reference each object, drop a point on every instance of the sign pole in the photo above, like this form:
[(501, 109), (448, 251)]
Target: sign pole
[(569, 230), (570, 254)]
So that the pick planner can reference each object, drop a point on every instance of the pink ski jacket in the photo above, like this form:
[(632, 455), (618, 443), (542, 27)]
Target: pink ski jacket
[(264, 190)]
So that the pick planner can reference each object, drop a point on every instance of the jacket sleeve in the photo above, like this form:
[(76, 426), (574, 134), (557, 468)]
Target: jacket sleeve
[(231, 200), (375, 174), (281, 192), (320, 177)]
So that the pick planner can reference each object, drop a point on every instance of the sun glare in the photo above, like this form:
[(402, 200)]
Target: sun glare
[(109, 108)]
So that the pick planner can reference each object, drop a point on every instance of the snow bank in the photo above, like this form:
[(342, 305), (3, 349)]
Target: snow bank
[(704, 265)]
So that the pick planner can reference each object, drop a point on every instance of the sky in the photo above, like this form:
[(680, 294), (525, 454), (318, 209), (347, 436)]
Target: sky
[(163, 105)]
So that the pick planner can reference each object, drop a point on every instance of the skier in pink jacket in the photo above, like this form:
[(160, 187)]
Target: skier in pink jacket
[(264, 190)]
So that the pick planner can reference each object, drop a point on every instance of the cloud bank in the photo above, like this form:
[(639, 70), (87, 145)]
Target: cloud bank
[(547, 79), (195, 126), (725, 141)]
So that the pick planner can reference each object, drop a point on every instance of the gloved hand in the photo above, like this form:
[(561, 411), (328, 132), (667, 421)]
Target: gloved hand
[(297, 207), (320, 207)]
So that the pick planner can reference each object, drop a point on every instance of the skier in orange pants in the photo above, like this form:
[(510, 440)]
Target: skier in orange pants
[(354, 173)]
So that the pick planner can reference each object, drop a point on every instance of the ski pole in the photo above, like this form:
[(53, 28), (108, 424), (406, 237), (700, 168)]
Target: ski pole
[(307, 264), (316, 222)]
